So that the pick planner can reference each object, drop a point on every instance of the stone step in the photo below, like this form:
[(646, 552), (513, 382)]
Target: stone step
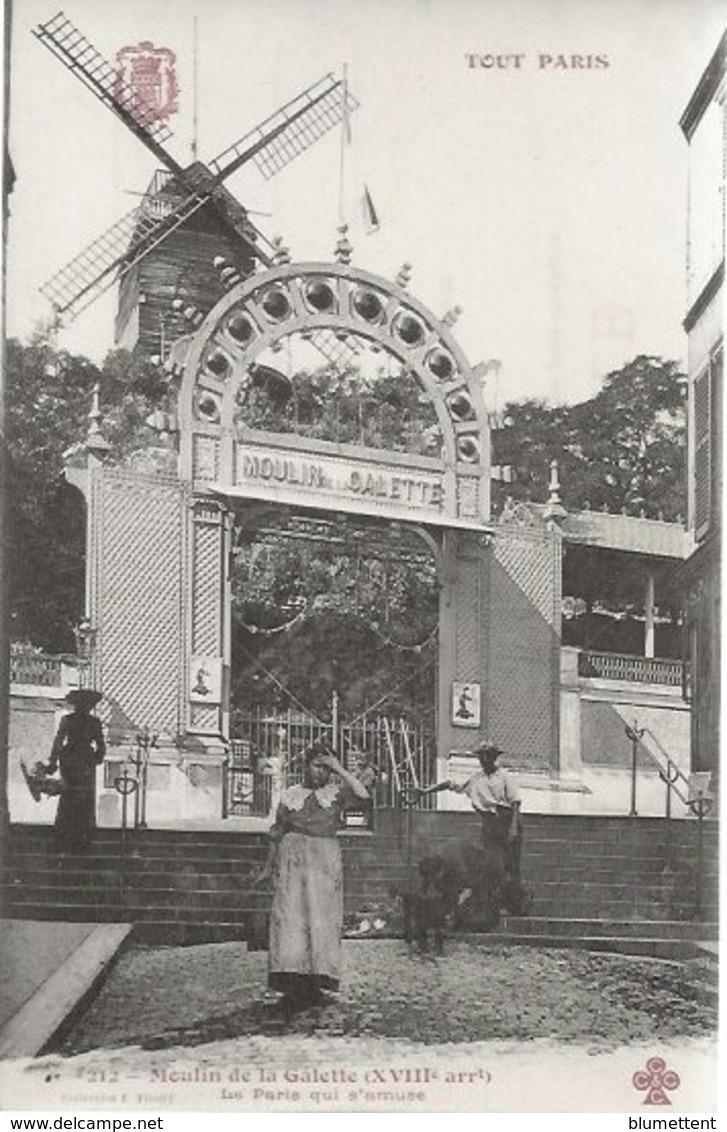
[(600, 904), (84, 913), (583, 869), (676, 950), (80, 869), (554, 884), (130, 901), (566, 927), (446, 825)]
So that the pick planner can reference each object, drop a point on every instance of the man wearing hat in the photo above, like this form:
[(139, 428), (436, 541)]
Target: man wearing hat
[(78, 749), (495, 796)]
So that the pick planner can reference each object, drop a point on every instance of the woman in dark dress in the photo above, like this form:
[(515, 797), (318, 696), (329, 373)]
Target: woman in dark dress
[(304, 861), (78, 749)]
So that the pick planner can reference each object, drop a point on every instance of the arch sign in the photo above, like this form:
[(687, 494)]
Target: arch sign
[(220, 453)]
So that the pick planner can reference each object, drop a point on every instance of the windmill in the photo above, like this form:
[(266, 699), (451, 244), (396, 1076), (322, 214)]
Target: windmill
[(170, 248)]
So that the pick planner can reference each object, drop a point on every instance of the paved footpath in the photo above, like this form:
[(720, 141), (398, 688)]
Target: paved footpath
[(488, 1027), (45, 970)]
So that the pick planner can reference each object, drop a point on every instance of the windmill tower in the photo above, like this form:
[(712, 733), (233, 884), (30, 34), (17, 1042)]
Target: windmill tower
[(167, 253)]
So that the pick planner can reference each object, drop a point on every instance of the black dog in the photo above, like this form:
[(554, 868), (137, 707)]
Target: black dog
[(431, 901)]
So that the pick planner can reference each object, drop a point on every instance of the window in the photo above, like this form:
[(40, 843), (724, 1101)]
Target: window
[(707, 405)]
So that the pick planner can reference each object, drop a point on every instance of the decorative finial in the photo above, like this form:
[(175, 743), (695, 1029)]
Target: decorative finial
[(190, 313), (96, 442), (229, 275), (94, 414), (554, 485), (404, 276), (452, 315), (554, 511), (344, 248), (281, 255)]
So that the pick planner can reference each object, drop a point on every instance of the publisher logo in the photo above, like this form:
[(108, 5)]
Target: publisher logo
[(655, 1080)]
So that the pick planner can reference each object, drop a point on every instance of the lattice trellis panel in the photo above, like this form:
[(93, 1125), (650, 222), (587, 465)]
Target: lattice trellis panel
[(207, 585), (524, 644), (532, 557), (204, 718), (139, 597), (468, 620), (462, 634)]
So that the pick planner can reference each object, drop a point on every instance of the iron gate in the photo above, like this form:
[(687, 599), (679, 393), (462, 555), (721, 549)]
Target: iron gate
[(268, 754)]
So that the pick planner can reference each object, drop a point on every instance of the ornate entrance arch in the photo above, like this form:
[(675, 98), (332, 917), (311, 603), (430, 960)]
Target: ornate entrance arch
[(160, 536), (299, 299)]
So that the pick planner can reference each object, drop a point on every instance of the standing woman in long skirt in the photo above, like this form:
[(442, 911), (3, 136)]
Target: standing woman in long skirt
[(304, 861), (78, 749)]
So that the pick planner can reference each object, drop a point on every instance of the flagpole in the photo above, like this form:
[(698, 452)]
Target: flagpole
[(194, 89), (345, 127)]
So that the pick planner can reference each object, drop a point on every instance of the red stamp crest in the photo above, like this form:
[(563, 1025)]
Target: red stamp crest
[(146, 82), (654, 1080)]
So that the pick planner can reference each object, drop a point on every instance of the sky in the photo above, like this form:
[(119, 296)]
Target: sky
[(544, 194)]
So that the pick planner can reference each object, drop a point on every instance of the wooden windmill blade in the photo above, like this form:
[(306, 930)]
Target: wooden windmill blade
[(290, 130), (271, 145), (337, 351), (70, 45), (111, 255)]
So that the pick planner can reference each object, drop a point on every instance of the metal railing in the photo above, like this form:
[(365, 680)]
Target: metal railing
[(272, 745), (695, 797), (638, 669), (35, 668), (672, 776)]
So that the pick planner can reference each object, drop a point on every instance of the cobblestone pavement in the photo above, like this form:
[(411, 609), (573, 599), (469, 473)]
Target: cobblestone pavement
[(159, 998)]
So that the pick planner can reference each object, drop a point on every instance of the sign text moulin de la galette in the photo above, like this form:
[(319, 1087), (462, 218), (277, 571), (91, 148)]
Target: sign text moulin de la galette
[(413, 489)]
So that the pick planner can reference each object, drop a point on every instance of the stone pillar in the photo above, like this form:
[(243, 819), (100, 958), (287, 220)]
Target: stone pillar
[(209, 638), (137, 592), (571, 763), (462, 641), (523, 619), (649, 611)]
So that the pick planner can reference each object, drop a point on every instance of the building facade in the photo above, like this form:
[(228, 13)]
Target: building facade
[(704, 123)]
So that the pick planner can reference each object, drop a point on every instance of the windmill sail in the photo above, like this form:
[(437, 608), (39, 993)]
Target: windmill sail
[(117, 250), (70, 45), (271, 145), (290, 130), (337, 351), (110, 256)]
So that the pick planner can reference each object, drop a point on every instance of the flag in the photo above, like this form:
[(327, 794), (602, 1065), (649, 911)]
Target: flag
[(370, 215)]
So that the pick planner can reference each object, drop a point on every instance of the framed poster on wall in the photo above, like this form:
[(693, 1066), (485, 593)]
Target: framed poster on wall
[(205, 680), (466, 710)]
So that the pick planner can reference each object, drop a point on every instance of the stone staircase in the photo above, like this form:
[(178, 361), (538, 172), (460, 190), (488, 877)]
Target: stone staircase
[(664, 939), (596, 881)]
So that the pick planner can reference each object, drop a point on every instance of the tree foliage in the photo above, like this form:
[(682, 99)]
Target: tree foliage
[(48, 398), (345, 612), (622, 450), (381, 410)]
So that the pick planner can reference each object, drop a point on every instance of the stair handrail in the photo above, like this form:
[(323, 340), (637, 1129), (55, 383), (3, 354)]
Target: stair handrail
[(671, 768), (671, 774), (669, 771)]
